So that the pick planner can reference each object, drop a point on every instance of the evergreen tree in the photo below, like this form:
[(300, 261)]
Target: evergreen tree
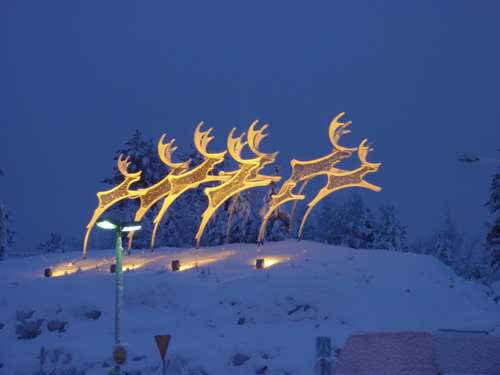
[(54, 244), (143, 156), (245, 221), (424, 246), (351, 224), (390, 234), (449, 242), (6, 235), (330, 227), (278, 224), (310, 229), (473, 262), (494, 229)]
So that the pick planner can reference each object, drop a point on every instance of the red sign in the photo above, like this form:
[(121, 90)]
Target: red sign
[(162, 342), (120, 354)]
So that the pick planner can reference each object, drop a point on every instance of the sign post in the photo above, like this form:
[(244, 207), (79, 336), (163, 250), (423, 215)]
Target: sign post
[(323, 364), (162, 341), (119, 356)]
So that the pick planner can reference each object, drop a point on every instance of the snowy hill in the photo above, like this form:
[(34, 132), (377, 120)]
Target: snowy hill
[(225, 316)]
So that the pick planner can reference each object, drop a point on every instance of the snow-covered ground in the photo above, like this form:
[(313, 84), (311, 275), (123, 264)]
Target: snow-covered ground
[(225, 316)]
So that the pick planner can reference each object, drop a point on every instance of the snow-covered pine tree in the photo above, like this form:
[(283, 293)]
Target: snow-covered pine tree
[(6, 235), (54, 244), (143, 157), (351, 224), (474, 262), (424, 245), (310, 229), (494, 229), (389, 233), (277, 228), (361, 223), (245, 221), (449, 242), (329, 228)]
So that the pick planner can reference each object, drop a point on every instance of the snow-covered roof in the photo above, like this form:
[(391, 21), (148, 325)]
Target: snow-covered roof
[(420, 353)]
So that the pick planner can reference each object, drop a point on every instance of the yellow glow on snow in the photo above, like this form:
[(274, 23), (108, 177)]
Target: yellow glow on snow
[(152, 262), (190, 261), (271, 260)]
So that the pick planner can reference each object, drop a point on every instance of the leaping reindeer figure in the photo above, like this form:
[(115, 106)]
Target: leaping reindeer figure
[(246, 177), (339, 179), (153, 194), (306, 170), (193, 178), (110, 197)]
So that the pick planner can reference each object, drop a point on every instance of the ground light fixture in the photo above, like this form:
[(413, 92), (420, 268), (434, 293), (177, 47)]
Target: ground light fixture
[(260, 263), (119, 227), (176, 265)]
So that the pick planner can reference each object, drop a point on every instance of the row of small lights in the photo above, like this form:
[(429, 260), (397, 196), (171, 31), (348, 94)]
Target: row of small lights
[(176, 266)]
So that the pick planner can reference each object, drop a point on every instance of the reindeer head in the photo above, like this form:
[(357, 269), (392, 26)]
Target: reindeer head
[(363, 151), (165, 152), (254, 138), (367, 167), (337, 129), (201, 140), (234, 145), (122, 167)]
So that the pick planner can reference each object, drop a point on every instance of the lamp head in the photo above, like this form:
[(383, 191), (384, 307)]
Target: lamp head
[(107, 223), (131, 226), (468, 158)]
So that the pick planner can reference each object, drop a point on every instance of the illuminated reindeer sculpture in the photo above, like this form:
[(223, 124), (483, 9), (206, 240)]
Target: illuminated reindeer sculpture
[(180, 179), (110, 197), (193, 178), (339, 179), (306, 170), (244, 178), (153, 194)]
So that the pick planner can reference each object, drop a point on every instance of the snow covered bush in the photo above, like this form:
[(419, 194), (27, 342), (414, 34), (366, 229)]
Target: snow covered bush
[(54, 244), (494, 229), (6, 235)]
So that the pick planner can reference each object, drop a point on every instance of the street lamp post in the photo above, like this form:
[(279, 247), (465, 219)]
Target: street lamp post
[(119, 227)]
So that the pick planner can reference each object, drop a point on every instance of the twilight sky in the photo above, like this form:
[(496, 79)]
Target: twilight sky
[(418, 78)]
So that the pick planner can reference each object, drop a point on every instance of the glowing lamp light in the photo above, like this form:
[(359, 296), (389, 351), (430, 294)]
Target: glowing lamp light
[(107, 223), (176, 265), (260, 264)]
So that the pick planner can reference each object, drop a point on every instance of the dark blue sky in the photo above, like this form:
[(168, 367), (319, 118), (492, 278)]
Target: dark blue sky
[(420, 79)]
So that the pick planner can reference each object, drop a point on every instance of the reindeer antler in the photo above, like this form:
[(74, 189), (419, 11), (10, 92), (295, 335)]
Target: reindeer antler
[(363, 151), (201, 140), (123, 165), (165, 152), (234, 145), (254, 138), (337, 129)]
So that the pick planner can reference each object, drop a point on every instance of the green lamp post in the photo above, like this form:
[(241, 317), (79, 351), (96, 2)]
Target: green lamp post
[(119, 227)]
